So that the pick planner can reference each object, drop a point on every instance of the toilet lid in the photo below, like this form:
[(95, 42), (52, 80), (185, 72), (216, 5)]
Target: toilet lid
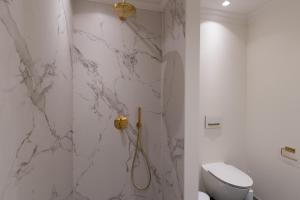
[(203, 196), (229, 174)]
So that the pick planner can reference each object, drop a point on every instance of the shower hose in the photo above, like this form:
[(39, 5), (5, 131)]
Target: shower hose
[(139, 147)]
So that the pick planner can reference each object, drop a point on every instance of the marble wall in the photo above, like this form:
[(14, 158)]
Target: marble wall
[(173, 44), (117, 67), (35, 100), (60, 90)]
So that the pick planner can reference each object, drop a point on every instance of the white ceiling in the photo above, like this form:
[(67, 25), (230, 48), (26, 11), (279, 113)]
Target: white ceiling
[(237, 6)]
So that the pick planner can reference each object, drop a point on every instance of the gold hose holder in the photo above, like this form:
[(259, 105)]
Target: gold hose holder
[(139, 123)]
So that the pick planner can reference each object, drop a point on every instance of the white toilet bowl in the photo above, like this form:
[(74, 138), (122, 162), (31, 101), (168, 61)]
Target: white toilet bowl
[(203, 196), (225, 182)]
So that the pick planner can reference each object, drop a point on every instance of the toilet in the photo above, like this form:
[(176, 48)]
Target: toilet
[(225, 182), (203, 196)]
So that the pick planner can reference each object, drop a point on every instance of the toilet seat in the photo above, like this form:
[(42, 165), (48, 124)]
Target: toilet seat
[(229, 175), (203, 196)]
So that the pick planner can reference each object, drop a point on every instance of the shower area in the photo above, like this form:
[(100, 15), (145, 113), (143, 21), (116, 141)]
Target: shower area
[(68, 68)]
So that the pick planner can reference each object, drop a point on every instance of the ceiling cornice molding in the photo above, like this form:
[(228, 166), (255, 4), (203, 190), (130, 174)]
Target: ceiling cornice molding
[(146, 5), (222, 16)]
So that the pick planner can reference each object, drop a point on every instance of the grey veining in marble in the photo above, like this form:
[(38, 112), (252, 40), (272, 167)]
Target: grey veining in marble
[(62, 86), (173, 98), (118, 67), (174, 16), (124, 73), (32, 78)]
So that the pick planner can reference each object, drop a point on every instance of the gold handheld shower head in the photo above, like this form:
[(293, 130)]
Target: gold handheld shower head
[(124, 10)]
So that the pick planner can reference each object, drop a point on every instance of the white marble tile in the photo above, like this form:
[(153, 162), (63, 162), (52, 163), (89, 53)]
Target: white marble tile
[(55, 149), (117, 67), (35, 96), (173, 99)]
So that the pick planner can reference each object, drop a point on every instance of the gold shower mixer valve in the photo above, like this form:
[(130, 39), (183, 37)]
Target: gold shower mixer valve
[(121, 122)]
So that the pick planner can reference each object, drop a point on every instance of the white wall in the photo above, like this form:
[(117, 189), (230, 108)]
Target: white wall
[(191, 112), (273, 96), (222, 90), (262, 102)]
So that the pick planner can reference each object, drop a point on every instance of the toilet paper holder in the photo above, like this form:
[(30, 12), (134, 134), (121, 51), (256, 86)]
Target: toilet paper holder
[(287, 151)]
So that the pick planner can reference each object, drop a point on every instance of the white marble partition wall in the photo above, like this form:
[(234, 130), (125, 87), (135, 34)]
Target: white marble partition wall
[(173, 99), (117, 67), (35, 100)]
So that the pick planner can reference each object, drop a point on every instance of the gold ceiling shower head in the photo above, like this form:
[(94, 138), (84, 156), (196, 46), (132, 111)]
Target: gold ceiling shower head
[(124, 10)]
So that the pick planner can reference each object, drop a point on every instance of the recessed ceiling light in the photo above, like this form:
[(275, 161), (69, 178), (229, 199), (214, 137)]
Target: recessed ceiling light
[(226, 3)]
